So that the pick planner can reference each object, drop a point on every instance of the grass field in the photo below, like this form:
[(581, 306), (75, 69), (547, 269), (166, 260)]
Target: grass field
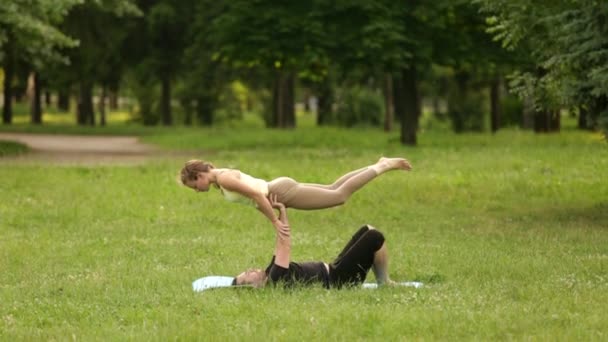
[(509, 233)]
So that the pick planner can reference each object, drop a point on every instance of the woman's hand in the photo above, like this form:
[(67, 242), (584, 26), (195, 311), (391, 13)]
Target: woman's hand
[(272, 198)]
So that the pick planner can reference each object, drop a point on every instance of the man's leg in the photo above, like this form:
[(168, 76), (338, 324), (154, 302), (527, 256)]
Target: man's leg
[(380, 266), (357, 258)]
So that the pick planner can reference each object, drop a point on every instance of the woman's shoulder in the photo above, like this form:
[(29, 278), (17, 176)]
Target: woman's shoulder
[(230, 173)]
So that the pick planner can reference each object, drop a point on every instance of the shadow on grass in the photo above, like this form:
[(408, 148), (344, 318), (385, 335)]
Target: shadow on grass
[(430, 278), (11, 148)]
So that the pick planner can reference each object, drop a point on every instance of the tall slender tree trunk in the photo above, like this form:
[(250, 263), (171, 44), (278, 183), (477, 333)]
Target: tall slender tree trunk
[(457, 104), (388, 102), (113, 96), (582, 117), (289, 104), (324, 103), (495, 104), (102, 106), (165, 101), (85, 113), (411, 106), (205, 105), (546, 121), (277, 104), (36, 99), (63, 100), (283, 100), (47, 98), (9, 73)]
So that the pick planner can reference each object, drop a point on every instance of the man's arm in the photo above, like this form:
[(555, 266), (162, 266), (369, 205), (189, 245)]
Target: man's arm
[(282, 248)]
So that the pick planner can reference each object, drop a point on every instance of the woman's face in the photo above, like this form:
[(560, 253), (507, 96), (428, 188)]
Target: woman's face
[(256, 277), (201, 183)]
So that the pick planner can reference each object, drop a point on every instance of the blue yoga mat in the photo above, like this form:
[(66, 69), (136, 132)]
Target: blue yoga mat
[(214, 282)]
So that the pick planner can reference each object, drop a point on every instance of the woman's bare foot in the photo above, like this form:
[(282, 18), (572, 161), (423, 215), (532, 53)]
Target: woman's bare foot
[(395, 163)]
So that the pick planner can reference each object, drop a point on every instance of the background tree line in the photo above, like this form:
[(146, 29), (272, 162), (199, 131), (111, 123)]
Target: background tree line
[(365, 62)]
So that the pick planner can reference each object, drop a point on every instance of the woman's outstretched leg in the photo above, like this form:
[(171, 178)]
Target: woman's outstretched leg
[(309, 197), (338, 182)]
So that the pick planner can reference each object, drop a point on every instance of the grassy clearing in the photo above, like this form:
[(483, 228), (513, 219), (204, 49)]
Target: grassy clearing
[(509, 232)]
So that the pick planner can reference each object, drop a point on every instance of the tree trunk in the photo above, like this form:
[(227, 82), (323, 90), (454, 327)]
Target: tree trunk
[(102, 106), (324, 103), (9, 73), (85, 113), (582, 117), (596, 107), (546, 121), (289, 104), (388, 102), (495, 104), (283, 101), (113, 96), (204, 109), (273, 119), (306, 100), (457, 104), (556, 121), (411, 106), (165, 101), (63, 100), (35, 100), (47, 98)]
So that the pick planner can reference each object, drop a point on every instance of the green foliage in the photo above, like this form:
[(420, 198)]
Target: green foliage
[(568, 43), (495, 226), (359, 106), (31, 28)]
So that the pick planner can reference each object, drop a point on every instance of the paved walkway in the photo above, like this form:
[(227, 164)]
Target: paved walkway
[(80, 149)]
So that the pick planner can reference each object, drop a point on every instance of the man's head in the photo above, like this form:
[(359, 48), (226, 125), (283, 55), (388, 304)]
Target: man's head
[(254, 276)]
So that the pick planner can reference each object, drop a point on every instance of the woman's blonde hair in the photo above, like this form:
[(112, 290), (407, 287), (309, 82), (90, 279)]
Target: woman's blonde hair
[(192, 168)]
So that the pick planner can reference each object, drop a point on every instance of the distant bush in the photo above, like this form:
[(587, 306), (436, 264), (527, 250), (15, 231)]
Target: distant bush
[(359, 106)]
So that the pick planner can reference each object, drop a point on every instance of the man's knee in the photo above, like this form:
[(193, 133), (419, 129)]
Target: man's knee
[(375, 235)]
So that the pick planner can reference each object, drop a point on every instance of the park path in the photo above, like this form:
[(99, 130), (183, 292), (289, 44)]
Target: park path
[(81, 149)]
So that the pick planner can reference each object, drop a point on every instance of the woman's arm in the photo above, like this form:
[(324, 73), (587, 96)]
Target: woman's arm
[(282, 248), (229, 182)]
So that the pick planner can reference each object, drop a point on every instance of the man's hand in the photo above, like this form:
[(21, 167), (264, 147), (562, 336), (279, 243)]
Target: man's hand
[(283, 230)]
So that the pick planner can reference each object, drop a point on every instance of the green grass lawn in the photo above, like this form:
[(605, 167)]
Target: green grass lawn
[(509, 233)]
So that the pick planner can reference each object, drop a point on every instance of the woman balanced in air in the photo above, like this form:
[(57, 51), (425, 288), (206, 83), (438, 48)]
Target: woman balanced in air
[(237, 186)]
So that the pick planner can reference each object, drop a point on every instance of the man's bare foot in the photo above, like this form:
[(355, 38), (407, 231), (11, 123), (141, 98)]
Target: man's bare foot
[(395, 163)]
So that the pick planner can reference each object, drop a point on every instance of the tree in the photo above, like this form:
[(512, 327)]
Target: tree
[(277, 37), (29, 31), (568, 41), (97, 26)]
